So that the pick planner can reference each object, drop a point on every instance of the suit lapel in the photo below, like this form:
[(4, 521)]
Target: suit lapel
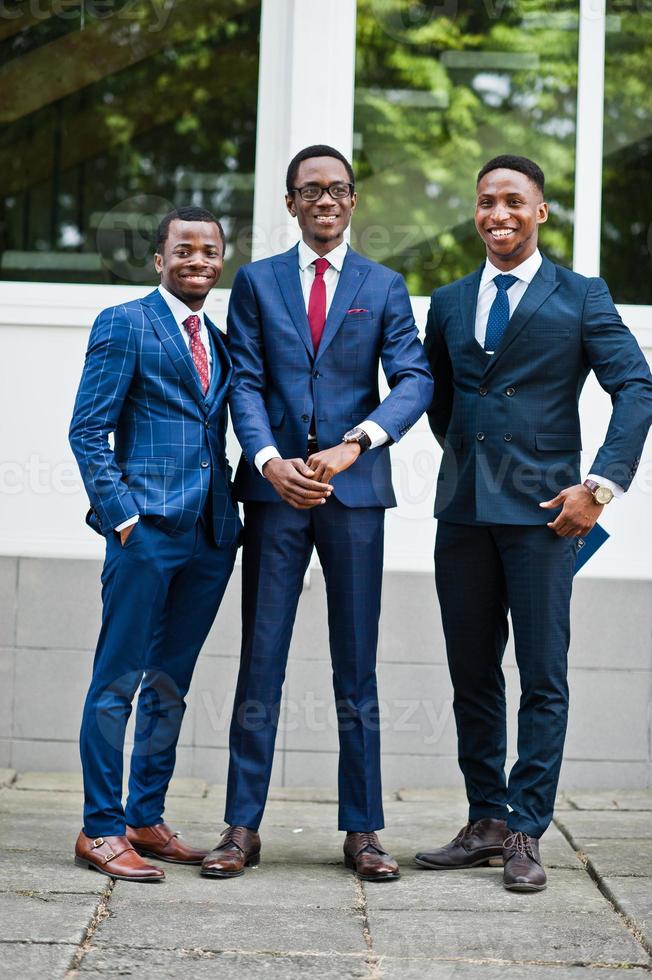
[(167, 330), (221, 370), (286, 270), (354, 272), (543, 284), (468, 304)]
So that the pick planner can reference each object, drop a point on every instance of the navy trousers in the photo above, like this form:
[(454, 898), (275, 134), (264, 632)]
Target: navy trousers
[(160, 595), (278, 542), (482, 572)]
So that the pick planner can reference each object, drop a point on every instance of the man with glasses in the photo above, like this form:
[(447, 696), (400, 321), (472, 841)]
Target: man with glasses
[(307, 331)]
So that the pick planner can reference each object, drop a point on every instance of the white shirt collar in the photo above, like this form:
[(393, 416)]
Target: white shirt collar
[(336, 257), (178, 308), (526, 271)]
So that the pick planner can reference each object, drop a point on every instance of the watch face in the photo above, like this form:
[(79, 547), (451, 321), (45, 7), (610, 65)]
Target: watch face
[(603, 495)]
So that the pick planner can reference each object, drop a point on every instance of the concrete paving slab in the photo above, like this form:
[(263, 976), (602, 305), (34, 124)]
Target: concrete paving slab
[(478, 889), (32, 832), (222, 925), (582, 824), (157, 964), (615, 799), (34, 961), (268, 886), (7, 777), (552, 937), (422, 969), (633, 897), (611, 858), (71, 782), (38, 872), (45, 918), (58, 782), (21, 801)]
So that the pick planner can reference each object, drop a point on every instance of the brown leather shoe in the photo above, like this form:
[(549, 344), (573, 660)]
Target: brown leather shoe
[(477, 843), (239, 849), (160, 841), (523, 869), (363, 853), (115, 857)]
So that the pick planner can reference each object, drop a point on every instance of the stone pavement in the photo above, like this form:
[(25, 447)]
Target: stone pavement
[(302, 915)]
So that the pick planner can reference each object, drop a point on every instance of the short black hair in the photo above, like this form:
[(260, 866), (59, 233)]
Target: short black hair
[(318, 150), (188, 213), (521, 164)]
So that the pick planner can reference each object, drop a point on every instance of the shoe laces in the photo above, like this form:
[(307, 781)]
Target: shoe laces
[(234, 835), (520, 842), (368, 839), (464, 832)]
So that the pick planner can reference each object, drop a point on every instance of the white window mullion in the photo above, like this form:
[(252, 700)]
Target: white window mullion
[(588, 152), (305, 96)]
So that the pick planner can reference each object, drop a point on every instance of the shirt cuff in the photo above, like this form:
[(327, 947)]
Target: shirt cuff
[(264, 455), (377, 435), (132, 520), (615, 488)]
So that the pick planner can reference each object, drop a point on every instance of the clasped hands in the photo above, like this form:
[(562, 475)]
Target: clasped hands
[(306, 485), (579, 511)]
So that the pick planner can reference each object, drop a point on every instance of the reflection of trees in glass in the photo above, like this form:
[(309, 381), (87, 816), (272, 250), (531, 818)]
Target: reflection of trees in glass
[(146, 99), (438, 95), (627, 167)]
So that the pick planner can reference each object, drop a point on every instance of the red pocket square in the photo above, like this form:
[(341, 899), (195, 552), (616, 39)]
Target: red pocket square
[(357, 311)]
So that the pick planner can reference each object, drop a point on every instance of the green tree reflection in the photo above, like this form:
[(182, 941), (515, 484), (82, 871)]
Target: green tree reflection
[(440, 88)]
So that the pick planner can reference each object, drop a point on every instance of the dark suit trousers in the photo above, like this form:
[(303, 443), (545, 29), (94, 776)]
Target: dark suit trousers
[(160, 595), (481, 573), (278, 542)]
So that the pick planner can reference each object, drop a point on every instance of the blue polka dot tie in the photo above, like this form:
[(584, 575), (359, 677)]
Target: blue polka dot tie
[(499, 313)]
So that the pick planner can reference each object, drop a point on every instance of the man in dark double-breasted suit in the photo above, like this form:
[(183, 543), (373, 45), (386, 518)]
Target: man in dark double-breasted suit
[(510, 347)]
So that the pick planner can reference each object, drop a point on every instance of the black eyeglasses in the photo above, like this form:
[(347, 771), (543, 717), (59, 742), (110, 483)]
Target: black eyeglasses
[(314, 192)]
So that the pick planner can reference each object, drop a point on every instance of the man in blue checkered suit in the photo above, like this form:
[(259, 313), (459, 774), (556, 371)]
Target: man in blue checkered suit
[(510, 347), (157, 375), (307, 332)]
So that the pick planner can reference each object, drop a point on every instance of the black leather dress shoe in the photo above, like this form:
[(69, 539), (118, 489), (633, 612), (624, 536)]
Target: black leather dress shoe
[(523, 869), (477, 843)]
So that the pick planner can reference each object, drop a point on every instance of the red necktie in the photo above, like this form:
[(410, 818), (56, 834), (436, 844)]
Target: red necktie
[(197, 349), (317, 302)]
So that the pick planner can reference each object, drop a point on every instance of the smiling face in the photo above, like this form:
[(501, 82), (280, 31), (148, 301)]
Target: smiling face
[(191, 261), (509, 209), (322, 222)]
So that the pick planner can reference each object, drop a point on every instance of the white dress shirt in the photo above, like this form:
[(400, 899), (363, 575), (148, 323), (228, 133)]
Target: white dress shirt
[(336, 258), (525, 273), (180, 311)]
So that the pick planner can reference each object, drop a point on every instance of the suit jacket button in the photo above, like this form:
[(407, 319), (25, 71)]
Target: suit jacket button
[(483, 390), (510, 391), (206, 423), (480, 436), (305, 418), (316, 374), (507, 437), (204, 464)]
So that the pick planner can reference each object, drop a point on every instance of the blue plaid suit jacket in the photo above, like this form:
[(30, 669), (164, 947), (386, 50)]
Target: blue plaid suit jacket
[(139, 382), (279, 383), (509, 423)]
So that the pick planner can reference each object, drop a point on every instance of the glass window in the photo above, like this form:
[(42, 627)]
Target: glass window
[(440, 89), (626, 244), (112, 112)]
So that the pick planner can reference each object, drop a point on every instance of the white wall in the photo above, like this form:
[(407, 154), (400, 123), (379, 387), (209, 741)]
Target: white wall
[(43, 335)]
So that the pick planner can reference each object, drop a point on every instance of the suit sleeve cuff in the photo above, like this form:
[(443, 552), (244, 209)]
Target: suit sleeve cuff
[(264, 455), (132, 520), (377, 435), (615, 488)]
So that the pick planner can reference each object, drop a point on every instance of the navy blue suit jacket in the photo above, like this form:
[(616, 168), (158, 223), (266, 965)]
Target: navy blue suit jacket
[(279, 383), (139, 382), (509, 423)]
